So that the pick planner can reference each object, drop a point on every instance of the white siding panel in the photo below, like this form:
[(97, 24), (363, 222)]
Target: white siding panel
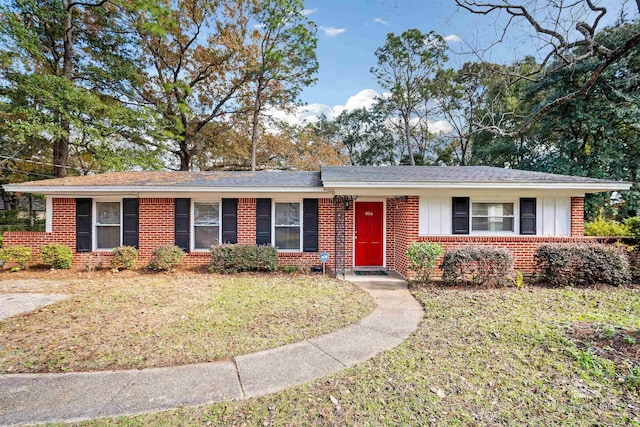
[(563, 216), (435, 215), (555, 214), (423, 215), (548, 216), (48, 214)]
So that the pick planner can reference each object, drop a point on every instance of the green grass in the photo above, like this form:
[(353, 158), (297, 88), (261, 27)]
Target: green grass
[(494, 357), (115, 322)]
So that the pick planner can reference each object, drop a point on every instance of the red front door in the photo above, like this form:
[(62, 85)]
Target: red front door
[(369, 236)]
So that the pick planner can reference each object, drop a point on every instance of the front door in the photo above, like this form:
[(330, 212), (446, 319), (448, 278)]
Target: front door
[(369, 236)]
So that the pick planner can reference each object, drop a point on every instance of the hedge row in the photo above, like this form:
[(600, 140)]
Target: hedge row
[(574, 264)]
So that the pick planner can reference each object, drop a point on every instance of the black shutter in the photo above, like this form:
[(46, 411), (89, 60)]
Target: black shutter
[(130, 222), (83, 225), (263, 221), (528, 216), (460, 215), (229, 220), (310, 225), (182, 223)]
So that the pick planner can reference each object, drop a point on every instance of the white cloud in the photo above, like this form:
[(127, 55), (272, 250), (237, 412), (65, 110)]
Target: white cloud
[(307, 12), (440, 127), (453, 38), (332, 31), (364, 99), (311, 113), (381, 21), (258, 26)]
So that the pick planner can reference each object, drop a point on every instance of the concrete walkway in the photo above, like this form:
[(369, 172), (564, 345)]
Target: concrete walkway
[(37, 398), (16, 303)]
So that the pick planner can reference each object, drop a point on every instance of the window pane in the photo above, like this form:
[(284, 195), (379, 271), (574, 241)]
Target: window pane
[(108, 213), (501, 224), (107, 237), (287, 214), (206, 214), (480, 209), (492, 224), (205, 237), (288, 238), (480, 224)]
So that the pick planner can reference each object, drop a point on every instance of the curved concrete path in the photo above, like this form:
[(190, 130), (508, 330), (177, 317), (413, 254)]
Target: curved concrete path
[(38, 398)]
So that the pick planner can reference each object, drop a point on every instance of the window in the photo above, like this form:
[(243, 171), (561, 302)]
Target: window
[(287, 226), (107, 225), (206, 224), (492, 217)]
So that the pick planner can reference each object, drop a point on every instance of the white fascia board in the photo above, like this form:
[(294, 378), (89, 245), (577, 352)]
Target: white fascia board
[(74, 190), (339, 187)]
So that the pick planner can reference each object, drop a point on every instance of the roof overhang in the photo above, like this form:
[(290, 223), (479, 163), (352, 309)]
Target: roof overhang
[(587, 187), (105, 190)]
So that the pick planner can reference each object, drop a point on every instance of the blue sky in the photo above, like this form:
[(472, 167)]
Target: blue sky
[(349, 31)]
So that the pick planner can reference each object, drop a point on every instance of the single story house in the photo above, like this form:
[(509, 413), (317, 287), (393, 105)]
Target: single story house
[(363, 216)]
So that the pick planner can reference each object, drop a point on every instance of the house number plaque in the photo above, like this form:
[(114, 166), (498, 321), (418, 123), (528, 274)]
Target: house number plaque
[(368, 213)]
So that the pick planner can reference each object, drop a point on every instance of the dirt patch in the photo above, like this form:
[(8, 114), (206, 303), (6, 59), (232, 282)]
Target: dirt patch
[(616, 344)]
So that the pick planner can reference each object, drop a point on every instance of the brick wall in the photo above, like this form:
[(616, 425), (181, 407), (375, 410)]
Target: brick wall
[(402, 229), (156, 228), (577, 216), (247, 221)]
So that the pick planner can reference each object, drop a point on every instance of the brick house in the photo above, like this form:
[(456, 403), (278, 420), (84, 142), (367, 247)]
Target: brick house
[(364, 217)]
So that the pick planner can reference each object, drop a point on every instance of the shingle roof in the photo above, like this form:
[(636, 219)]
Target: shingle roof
[(330, 177), (187, 179), (445, 174)]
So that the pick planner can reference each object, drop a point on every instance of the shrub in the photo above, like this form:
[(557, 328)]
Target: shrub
[(20, 255), (56, 256), (422, 258), (603, 227), (124, 257), (165, 258), (633, 226), (477, 265), (581, 264), (229, 259)]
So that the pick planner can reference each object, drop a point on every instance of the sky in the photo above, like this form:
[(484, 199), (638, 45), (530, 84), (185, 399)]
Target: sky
[(349, 31)]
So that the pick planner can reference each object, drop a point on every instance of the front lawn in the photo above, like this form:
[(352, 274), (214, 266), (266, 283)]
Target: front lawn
[(480, 357), (130, 320)]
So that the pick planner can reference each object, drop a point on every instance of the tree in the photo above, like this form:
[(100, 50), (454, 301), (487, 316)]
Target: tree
[(566, 47), (196, 61), (58, 57), (285, 61), (406, 65), (366, 138)]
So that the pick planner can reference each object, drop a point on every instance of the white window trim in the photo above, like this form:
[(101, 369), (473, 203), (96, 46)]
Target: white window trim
[(95, 225), (516, 218), (192, 226), (273, 223)]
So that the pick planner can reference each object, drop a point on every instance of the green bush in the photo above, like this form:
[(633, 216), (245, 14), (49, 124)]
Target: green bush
[(477, 265), (124, 257), (633, 226), (229, 259), (56, 256), (422, 258), (165, 258), (603, 227), (581, 264), (20, 255)]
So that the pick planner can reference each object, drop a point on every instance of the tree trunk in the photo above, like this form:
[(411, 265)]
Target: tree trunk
[(407, 138), (185, 160), (254, 127), (61, 144)]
